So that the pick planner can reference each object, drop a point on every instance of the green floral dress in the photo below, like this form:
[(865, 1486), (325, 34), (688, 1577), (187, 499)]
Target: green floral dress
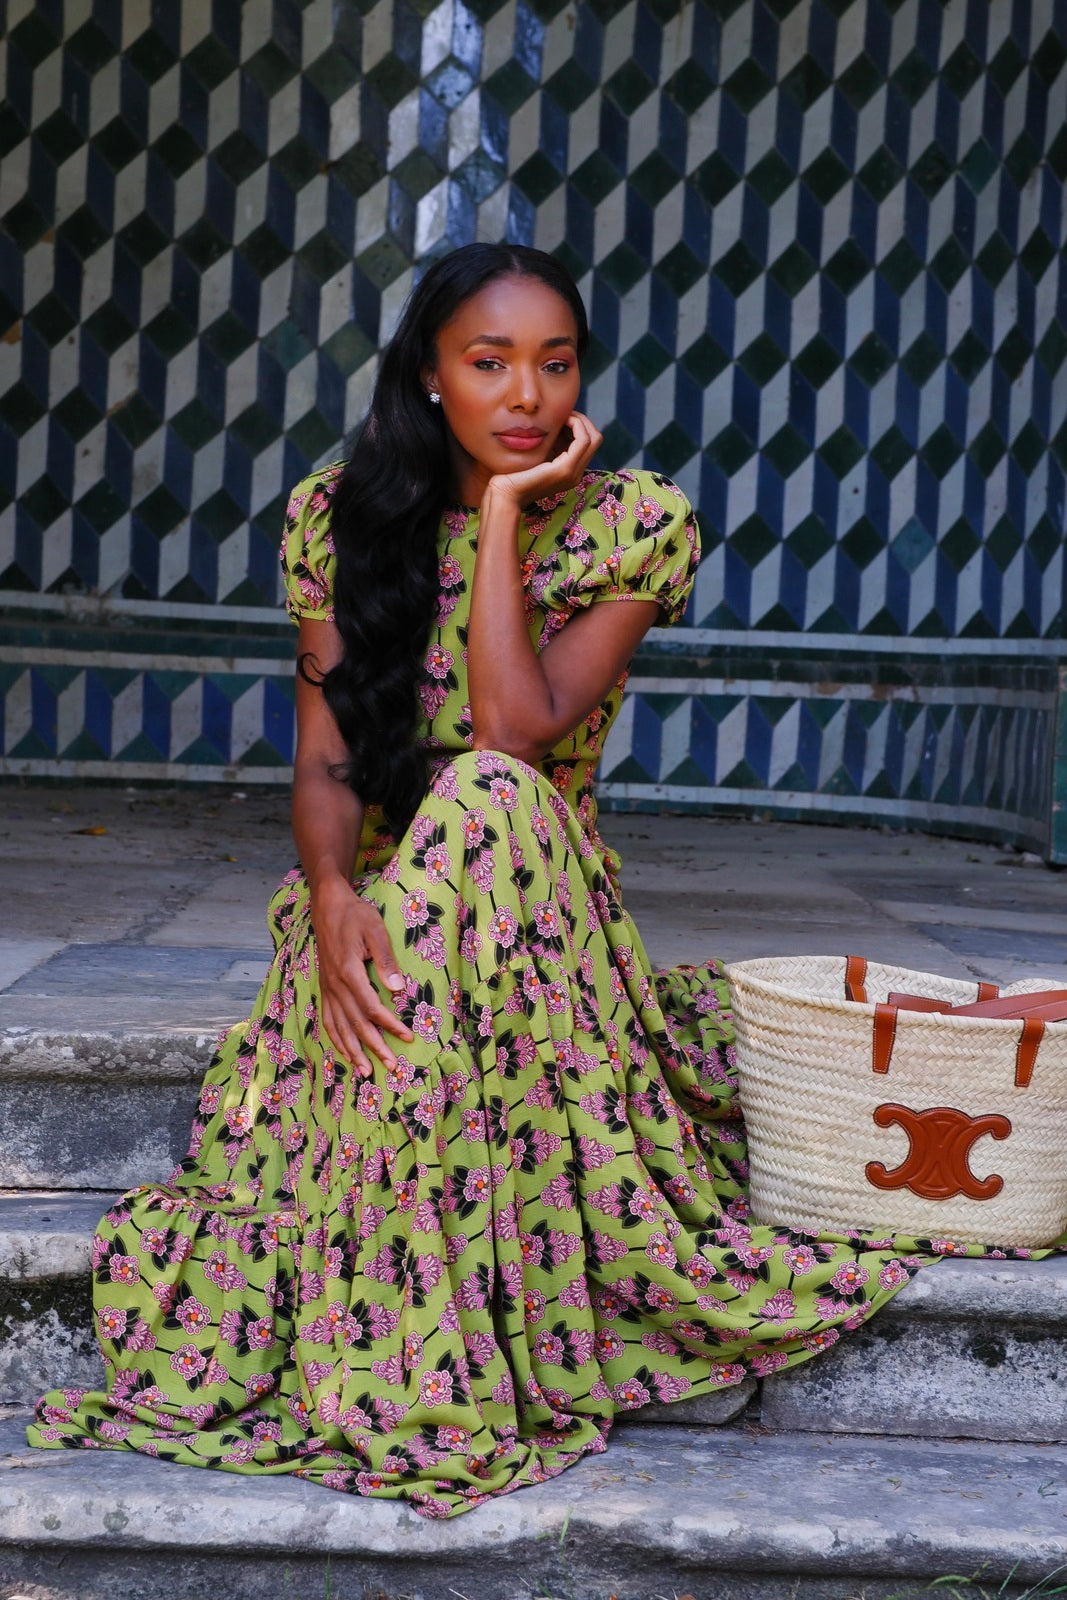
[(441, 1284)]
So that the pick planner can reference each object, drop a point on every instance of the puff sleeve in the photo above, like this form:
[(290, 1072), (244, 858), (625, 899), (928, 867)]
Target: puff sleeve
[(634, 538), (307, 552)]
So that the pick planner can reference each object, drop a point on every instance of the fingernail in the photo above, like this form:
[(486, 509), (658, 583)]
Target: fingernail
[(395, 981)]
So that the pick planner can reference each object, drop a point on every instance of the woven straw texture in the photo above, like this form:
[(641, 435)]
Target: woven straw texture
[(809, 1094)]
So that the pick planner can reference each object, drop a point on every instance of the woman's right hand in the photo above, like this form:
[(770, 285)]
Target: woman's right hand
[(349, 933)]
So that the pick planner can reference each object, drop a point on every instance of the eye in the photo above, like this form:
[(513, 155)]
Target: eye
[(488, 364), (557, 368)]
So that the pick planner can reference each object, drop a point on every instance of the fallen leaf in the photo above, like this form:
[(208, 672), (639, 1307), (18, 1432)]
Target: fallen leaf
[(95, 833)]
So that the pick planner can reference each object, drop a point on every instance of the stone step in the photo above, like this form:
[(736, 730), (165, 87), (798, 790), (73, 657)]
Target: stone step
[(969, 1349), (732, 1514)]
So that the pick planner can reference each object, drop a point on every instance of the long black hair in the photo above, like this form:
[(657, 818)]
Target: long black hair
[(385, 515)]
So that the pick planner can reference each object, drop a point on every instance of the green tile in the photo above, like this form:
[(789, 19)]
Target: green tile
[(654, 178), (753, 540), (58, 137), (748, 86), (510, 86), (1028, 448), (178, 150), (959, 544), (219, 515), (288, 345), (82, 231), (203, 244), (848, 267), (90, 47), (689, 87), (950, 264), (715, 178), (871, 360), (986, 449), (619, 443), (143, 238), (117, 143), (900, 267), (913, 77), (313, 435), (264, 251), (102, 506), (1053, 348), (12, 130), (786, 450), (239, 157), (979, 165), (1006, 65), (860, 80), (862, 543), (1022, 159), (818, 361), (810, 540), (417, 174), (195, 425), (1049, 58), (922, 359), (680, 269), (333, 74), (323, 257), (1014, 352), (577, 266), (52, 319), (793, 269), (109, 327), (348, 349), (806, 82), (24, 224), (941, 451), (571, 86), (359, 169), (135, 420), (382, 262), (995, 258), (255, 429), (33, 39), (969, 356), (647, 359), (76, 413), (771, 177), (298, 162), (841, 451), (537, 178), (826, 176), (705, 359), (1003, 543), (1038, 254), (271, 69), (1044, 542), (629, 87), (737, 269), (961, 71), (932, 170), (730, 449), (881, 174), (596, 177), (622, 268), (160, 512), (150, 56), (43, 502), (762, 359), (210, 63), (168, 332), (671, 448)]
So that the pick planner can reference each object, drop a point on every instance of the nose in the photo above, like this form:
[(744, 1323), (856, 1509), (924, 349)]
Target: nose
[(525, 389)]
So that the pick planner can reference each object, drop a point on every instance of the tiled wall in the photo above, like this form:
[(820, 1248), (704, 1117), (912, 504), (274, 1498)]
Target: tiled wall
[(822, 244)]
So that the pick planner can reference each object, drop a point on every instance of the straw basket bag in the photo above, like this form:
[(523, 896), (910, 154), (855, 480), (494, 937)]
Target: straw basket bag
[(863, 1114)]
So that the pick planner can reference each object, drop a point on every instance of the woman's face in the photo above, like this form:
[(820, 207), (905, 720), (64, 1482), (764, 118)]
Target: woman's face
[(506, 369)]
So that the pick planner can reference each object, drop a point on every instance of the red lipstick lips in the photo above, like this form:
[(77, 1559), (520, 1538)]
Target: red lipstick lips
[(521, 438)]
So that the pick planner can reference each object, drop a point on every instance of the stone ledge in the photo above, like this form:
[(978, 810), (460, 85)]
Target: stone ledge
[(106, 1055)]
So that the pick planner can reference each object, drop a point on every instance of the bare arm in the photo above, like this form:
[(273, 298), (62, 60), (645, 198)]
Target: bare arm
[(521, 702), (327, 817)]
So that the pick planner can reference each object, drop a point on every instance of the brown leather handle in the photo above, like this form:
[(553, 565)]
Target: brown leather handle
[(856, 979), (1049, 1004)]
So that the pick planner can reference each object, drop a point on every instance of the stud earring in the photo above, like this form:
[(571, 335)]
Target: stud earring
[(435, 398)]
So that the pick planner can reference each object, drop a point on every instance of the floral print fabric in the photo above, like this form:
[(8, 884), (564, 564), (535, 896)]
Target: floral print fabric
[(441, 1284)]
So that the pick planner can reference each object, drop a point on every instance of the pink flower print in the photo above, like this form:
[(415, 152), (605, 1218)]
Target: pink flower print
[(641, 1205), (414, 909), (439, 661), (532, 986), (892, 1275), (611, 510), (210, 1098), (648, 511), (426, 1022), (859, 1316), (142, 1337), (124, 1269), (478, 1184), (630, 1395), (821, 1340), (472, 1126), (188, 1362), (154, 1241), (239, 1121), (224, 1276), (660, 1298), (549, 1348), (438, 863), (780, 1307), (800, 1259), (546, 919), (470, 945), (432, 698), (473, 828), (450, 573), (850, 1277), (435, 1388), (193, 1316), (503, 927), (557, 998), (608, 1345), (660, 1251), (455, 1440), (532, 1246), (504, 794), (828, 1308), (482, 871), (112, 1322), (260, 1334), (534, 1305)]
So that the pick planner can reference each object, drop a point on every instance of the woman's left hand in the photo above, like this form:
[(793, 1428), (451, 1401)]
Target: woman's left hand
[(559, 472)]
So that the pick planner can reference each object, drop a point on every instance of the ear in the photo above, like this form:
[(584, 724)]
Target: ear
[(428, 379)]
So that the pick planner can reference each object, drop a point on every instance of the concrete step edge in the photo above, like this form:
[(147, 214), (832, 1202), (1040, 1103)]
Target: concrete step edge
[(732, 1500), (106, 1055)]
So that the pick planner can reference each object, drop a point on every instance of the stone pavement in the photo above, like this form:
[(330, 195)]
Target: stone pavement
[(147, 908)]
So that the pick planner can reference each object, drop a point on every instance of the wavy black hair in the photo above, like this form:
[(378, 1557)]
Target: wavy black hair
[(385, 515)]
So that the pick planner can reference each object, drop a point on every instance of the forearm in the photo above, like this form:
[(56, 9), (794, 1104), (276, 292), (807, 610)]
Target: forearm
[(511, 699), (327, 817)]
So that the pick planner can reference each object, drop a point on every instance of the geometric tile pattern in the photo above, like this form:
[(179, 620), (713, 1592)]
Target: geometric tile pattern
[(824, 248), (822, 243)]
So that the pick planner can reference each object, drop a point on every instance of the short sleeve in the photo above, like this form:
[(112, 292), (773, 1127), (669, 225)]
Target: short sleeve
[(635, 538), (307, 552)]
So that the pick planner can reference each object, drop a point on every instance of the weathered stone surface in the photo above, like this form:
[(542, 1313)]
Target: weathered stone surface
[(665, 1510), (970, 1349)]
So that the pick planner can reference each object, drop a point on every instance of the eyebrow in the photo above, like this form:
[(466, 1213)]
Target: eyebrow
[(502, 342)]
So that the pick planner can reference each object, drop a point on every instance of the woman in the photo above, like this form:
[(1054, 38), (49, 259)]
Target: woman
[(471, 1179)]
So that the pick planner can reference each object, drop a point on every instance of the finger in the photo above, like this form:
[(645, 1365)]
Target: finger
[(374, 1008), (374, 1044), (343, 1038), (382, 955)]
